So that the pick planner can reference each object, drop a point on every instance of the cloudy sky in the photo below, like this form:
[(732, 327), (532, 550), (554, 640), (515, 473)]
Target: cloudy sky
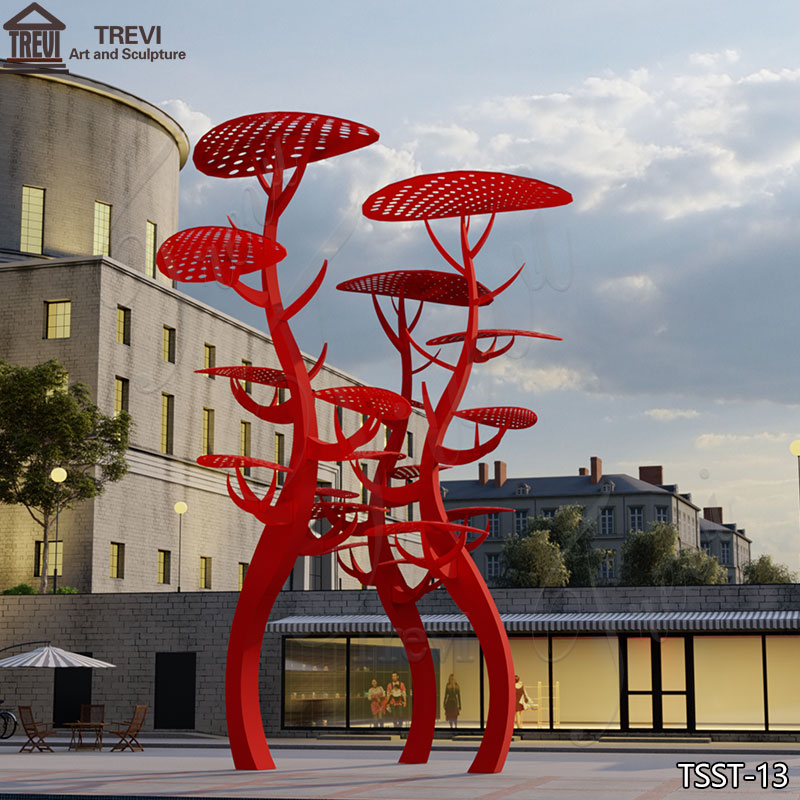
[(672, 277)]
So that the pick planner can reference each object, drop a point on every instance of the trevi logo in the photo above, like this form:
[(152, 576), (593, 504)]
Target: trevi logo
[(35, 41)]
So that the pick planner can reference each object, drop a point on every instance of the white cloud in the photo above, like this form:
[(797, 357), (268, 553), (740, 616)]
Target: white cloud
[(669, 414), (640, 287), (195, 123), (715, 59), (537, 379), (708, 441)]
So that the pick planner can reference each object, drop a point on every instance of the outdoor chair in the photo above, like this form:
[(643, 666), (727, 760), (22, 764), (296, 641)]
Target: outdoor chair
[(37, 732), (127, 731), (92, 713)]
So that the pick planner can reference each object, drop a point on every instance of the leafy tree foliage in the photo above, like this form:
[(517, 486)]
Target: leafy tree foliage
[(574, 536), (649, 559), (644, 551), (531, 560), (765, 570), (690, 568), (45, 424)]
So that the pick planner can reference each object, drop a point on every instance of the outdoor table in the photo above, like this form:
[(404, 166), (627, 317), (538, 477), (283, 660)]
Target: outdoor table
[(78, 729)]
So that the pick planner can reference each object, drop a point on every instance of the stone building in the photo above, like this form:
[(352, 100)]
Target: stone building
[(88, 192), (615, 503), (723, 540)]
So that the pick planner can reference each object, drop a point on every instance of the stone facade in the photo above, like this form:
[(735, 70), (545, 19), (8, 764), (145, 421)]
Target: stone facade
[(129, 629)]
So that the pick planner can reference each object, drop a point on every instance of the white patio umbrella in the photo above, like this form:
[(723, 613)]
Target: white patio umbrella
[(48, 656)]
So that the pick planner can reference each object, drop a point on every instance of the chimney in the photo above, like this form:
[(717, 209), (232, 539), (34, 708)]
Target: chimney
[(713, 514), (499, 473), (654, 475), (597, 469), (483, 474), (583, 471)]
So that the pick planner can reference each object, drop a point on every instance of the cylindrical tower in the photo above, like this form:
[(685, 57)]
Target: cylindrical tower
[(85, 169)]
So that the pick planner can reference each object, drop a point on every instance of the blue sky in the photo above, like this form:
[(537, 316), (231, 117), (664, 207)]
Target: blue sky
[(672, 277)]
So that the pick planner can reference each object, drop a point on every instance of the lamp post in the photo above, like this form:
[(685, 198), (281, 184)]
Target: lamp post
[(180, 509), (794, 447), (58, 475)]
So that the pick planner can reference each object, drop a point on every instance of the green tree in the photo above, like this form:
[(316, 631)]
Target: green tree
[(765, 570), (690, 568), (644, 551), (45, 424), (569, 530), (531, 560)]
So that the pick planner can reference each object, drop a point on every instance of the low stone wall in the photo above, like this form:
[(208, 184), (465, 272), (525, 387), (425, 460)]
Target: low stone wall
[(129, 629)]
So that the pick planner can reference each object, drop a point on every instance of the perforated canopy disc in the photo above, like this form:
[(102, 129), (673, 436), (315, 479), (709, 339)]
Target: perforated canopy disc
[(422, 284), (262, 375), (198, 255), (379, 403), (222, 461), (451, 338), (409, 472), (453, 194), (376, 454), (324, 509), (499, 416), (342, 494), (256, 143)]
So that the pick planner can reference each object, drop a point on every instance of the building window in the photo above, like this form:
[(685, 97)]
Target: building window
[(523, 489), (493, 521), (121, 390), (117, 560), (150, 249), (364, 492), (281, 394), (548, 513), (279, 454), (168, 344), (164, 558), (244, 442), (410, 444), (636, 518), (661, 513), (410, 512), (55, 552), (492, 565), (248, 386), (607, 522), (521, 521), (209, 357), (706, 548), (31, 236), (725, 552), (208, 432), (607, 566), (167, 422), (123, 325), (205, 572), (102, 229), (242, 573), (57, 318)]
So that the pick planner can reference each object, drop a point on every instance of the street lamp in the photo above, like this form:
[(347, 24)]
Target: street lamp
[(58, 475), (794, 447), (180, 509)]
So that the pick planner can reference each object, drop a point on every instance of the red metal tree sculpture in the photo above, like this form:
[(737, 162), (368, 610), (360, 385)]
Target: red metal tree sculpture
[(443, 539), (266, 146)]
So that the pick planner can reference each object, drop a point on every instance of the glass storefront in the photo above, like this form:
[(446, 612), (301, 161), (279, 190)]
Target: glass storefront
[(315, 683), (704, 682)]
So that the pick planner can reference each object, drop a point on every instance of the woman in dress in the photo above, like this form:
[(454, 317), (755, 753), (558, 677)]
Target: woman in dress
[(523, 701), (377, 703), (452, 701), (396, 705)]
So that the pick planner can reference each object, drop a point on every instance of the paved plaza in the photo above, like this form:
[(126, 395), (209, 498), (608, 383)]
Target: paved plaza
[(352, 770)]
